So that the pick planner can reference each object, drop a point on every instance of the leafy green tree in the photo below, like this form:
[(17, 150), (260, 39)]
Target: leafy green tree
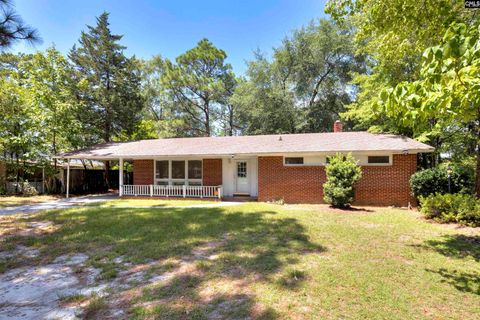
[(448, 91), (48, 90), (342, 174), (12, 27), (263, 105), (304, 87), (198, 84), (160, 117), (393, 35), (20, 138)]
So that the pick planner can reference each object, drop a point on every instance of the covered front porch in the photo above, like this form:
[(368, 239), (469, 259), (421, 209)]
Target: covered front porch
[(187, 177)]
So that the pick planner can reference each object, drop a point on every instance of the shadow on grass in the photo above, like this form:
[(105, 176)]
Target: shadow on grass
[(459, 247), (350, 209), (462, 281), (456, 246), (235, 247)]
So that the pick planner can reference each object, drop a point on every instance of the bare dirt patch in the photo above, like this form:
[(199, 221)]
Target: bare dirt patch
[(69, 288)]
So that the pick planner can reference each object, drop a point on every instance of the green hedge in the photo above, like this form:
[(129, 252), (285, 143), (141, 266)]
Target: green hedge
[(459, 208), (435, 180), (342, 174)]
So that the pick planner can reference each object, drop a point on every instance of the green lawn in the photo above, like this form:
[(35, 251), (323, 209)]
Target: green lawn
[(154, 203), (266, 261)]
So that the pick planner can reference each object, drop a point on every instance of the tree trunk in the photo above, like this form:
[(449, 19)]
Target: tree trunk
[(477, 152), (477, 171), (107, 171), (17, 176), (230, 119), (207, 118)]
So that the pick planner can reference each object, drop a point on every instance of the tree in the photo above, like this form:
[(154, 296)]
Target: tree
[(342, 174), (112, 91), (263, 105), (47, 80), (393, 35), (160, 117), (198, 84), (12, 27), (448, 91), (20, 138), (305, 86), (111, 85)]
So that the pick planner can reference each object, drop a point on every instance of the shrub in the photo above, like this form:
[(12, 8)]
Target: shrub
[(435, 180), (342, 174), (28, 189), (460, 208)]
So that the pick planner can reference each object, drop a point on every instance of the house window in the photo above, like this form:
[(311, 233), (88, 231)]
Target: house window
[(378, 159), (293, 160), (161, 172), (178, 169), (178, 172), (242, 169), (194, 169)]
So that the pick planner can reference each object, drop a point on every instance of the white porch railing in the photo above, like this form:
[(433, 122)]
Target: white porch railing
[(172, 191)]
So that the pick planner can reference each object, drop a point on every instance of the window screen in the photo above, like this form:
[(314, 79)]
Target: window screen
[(178, 169), (162, 169), (378, 159), (292, 160), (194, 169)]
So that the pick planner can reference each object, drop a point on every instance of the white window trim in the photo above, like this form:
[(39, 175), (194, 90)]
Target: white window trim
[(390, 162), (171, 180), (362, 158), (301, 164), (295, 164)]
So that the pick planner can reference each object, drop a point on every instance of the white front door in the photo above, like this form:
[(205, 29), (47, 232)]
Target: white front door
[(242, 184)]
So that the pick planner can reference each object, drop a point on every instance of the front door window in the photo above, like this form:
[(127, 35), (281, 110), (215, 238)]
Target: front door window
[(241, 169), (242, 183)]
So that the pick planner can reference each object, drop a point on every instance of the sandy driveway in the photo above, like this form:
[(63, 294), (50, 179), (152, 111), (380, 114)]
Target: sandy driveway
[(57, 204)]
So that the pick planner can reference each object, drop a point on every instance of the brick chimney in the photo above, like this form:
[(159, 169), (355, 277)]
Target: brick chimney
[(338, 126)]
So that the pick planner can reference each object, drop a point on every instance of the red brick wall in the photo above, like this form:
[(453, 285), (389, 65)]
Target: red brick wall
[(142, 171), (212, 172), (388, 185), (293, 184), (380, 185)]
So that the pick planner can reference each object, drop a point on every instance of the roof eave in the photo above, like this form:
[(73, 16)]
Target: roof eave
[(130, 156)]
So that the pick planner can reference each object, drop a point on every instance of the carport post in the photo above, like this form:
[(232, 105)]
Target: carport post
[(67, 191), (120, 177)]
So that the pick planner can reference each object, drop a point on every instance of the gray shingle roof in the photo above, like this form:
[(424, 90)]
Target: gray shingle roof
[(261, 144)]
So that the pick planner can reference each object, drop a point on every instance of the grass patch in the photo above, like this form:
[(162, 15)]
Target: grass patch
[(96, 307), (118, 203), (72, 299), (266, 261)]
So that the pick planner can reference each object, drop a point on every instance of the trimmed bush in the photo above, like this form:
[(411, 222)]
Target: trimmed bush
[(342, 174), (460, 208), (435, 180)]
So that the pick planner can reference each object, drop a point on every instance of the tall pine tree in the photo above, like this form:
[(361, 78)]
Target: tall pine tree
[(109, 84)]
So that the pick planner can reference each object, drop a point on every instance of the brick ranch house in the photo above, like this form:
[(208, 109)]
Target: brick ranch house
[(267, 167)]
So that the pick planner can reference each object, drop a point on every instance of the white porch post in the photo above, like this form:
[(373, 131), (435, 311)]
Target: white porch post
[(67, 191), (120, 177)]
